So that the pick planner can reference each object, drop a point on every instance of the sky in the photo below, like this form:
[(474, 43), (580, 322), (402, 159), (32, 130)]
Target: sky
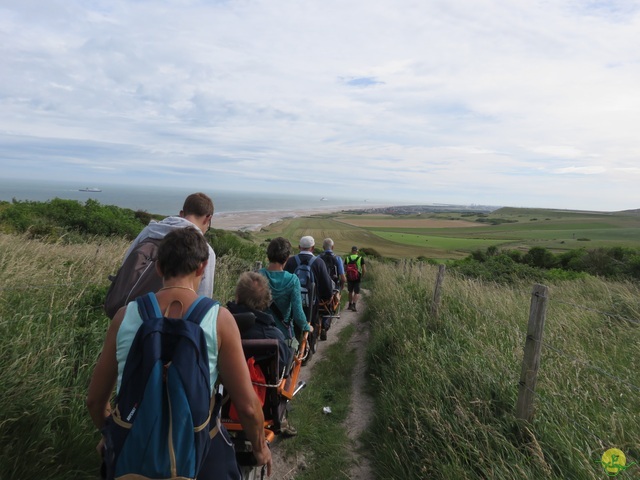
[(523, 103)]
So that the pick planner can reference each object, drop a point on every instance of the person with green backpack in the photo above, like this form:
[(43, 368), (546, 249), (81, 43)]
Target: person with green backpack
[(355, 269)]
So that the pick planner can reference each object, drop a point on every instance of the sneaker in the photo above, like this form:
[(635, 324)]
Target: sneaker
[(351, 306), (287, 430), (354, 309), (323, 335)]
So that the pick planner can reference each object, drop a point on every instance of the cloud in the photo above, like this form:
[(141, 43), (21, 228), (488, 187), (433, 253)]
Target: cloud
[(426, 101), (591, 170)]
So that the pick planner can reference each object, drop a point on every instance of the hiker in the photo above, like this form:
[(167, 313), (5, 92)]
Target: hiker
[(335, 267), (254, 295), (318, 268), (182, 261), (334, 263), (311, 269), (285, 290), (134, 279), (355, 269)]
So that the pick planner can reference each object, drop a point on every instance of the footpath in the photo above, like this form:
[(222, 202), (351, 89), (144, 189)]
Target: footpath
[(361, 405)]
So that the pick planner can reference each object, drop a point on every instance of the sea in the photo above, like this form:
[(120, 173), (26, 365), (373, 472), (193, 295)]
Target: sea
[(168, 201)]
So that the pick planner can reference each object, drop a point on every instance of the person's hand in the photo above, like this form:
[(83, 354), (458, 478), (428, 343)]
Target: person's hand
[(263, 457), (310, 327)]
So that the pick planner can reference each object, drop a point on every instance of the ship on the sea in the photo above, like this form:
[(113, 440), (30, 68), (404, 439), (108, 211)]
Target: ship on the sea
[(89, 189)]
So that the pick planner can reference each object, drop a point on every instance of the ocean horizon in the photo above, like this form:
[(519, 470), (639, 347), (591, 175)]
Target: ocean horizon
[(168, 201)]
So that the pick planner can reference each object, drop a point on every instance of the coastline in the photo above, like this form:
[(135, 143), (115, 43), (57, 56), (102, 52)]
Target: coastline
[(255, 220)]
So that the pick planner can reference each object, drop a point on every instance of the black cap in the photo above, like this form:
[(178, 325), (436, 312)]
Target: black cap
[(354, 249)]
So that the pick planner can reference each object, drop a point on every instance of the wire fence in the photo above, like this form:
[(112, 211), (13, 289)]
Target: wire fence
[(572, 360), (482, 311)]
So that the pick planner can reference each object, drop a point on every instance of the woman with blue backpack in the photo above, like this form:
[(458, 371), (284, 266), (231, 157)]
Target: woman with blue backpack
[(164, 354)]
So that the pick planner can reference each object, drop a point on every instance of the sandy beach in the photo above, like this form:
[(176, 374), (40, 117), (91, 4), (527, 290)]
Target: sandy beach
[(253, 221)]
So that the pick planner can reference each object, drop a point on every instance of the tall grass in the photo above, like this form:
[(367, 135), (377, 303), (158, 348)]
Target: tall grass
[(446, 388), (51, 331)]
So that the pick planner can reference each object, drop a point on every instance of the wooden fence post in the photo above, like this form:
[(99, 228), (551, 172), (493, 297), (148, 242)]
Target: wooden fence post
[(532, 348), (437, 293)]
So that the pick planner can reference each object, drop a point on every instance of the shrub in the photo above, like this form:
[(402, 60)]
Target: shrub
[(370, 252), (57, 217), (540, 257), (558, 274), (500, 268), (229, 243)]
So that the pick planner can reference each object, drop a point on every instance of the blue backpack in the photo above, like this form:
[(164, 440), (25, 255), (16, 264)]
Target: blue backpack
[(160, 427), (307, 280)]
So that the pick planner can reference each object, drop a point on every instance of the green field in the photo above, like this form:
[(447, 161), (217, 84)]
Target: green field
[(455, 235)]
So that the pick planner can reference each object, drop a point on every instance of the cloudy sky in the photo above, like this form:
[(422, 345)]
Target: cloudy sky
[(497, 102)]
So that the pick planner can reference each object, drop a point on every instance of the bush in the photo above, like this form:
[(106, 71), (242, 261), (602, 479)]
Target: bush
[(558, 274), (370, 252), (57, 217), (230, 243), (500, 269), (540, 257)]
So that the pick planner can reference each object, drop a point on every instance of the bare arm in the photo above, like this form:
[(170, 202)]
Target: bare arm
[(235, 377), (105, 375)]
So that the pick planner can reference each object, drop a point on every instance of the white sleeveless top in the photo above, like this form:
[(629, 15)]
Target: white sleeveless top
[(132, 321)]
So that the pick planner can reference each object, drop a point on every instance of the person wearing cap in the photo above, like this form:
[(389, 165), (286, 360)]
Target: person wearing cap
[(319, 270), (353, 285)]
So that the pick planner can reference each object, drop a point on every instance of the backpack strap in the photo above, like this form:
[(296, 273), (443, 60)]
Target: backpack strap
[(148, 307), (278, 313), (299, 262), (200, 310), (354, 260)]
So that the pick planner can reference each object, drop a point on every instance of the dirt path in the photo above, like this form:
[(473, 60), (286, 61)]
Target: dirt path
[(286, 468)]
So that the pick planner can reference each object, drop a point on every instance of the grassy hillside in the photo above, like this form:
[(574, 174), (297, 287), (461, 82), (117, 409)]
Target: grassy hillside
[(51, 332), (446, 387), (455, 235)]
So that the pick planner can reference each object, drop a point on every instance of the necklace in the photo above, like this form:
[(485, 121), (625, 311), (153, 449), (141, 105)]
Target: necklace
[(178, 286)]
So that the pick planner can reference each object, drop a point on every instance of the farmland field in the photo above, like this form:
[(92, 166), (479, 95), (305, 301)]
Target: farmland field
[(455, 235)]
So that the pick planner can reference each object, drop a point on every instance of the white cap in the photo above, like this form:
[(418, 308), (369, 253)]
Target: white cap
[(307, 242)]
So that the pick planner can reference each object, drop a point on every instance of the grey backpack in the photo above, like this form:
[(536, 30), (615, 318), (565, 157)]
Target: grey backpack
[(135, 277)]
